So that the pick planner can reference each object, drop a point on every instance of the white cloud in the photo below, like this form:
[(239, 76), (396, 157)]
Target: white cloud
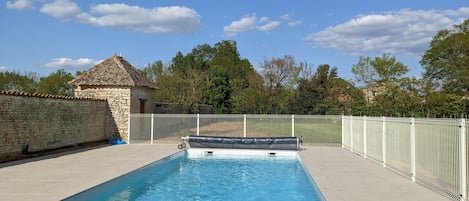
[(244, 24), (249, 23), (268, 26), (68, 63), (294, 23), (290, 21), (63, 9), (173, 19), (403, 31), (3, 68), (20, 4)]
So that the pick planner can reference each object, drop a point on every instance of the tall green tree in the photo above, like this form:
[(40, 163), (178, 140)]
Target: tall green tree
[(55, 83), (326, 93), (220, 74), (280, 76), (252, 99), (383, 69), (381, 77), (447, 59), (365, 74), (181, 88), (217, 90)]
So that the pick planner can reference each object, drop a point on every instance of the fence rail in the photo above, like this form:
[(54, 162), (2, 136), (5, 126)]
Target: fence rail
[(147, 128), (432, 152)]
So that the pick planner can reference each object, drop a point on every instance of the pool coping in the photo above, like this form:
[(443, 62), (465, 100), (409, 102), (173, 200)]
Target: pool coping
[(340, 174)]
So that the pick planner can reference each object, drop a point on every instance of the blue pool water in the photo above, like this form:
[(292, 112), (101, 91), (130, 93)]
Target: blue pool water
[(212, 177)]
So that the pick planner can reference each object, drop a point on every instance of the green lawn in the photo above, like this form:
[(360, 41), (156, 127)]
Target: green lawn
[(316, 130)]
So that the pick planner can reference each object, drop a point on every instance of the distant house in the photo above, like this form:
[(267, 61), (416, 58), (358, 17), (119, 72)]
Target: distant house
[(122, 85), (372, 91)]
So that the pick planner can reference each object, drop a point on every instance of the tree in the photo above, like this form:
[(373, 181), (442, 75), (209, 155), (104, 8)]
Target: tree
[(395, 101), (442, 104), (14, 81), (217, 90), (307, 97), (381, 77), (206, 75), (181, 88), (280, 75), (323, 80), (365, 73), (382, 69), (279, 71), (447, 59), (153, 71), (55, 83), (326, 93), (252, 99)]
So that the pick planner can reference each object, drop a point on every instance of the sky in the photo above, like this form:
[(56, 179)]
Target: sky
[(43, 36)]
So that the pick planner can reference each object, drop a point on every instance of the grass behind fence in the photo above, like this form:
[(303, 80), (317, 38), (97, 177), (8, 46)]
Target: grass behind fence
[(314, 130)]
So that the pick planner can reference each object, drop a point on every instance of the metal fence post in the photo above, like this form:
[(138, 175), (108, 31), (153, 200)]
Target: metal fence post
[(364, 137), (351, 133), (244, 125), (384, 141), (198, 124), (343, 131), (412, 149), (152, 127), (128, 128), (462, 160), (293, 125)]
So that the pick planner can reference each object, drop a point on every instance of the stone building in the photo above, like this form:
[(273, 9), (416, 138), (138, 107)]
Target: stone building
[(372, 91), (124, 88)]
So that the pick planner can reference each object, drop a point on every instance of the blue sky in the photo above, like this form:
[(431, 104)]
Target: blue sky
[(45, 35)]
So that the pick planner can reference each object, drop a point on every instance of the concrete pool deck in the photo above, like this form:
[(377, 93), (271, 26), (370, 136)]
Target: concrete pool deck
[(345, 176), (340, 174)]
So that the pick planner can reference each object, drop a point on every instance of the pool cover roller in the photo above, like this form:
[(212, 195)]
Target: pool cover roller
[(270, 143)]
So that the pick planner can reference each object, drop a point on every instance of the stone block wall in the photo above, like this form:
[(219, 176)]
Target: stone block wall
[(142, 93), (50, 122), (119, 100)]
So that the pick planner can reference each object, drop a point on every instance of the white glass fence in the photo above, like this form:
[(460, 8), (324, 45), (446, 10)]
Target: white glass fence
[(432, 152), (148, 128)]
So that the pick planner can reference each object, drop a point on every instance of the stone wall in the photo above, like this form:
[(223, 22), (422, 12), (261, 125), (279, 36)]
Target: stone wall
[(119, 100), (144, 94), (49, 122)]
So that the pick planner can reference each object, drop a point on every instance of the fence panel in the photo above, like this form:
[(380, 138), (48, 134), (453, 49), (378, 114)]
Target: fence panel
[(346, 123), (437, 154), (140, 127), (374, 135), (398, 145), (314, 129), (268, 125), (174, 126), (357, 134), (324, 130), (221, 125), (429, 151)]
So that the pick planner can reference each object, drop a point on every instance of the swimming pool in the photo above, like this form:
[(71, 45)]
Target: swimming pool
[(213, 174)]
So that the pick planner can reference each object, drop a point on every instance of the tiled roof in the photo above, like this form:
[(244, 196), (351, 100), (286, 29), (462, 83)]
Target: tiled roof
[(36, 95), (114, 71)]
